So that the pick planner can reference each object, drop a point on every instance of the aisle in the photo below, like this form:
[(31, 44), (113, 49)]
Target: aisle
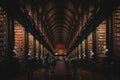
[(60, 68), (60, 73)]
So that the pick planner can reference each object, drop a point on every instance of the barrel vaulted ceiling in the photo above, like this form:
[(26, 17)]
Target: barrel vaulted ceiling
[(58, 21), (61, 20), (59, 24)]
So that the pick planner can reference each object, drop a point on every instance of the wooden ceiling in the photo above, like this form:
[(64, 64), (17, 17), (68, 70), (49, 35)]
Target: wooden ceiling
[(62, 18), (59, 21)]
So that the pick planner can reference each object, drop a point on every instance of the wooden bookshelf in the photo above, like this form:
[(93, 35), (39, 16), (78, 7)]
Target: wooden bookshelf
[(116, 31), (90, 42), (79, 51), (83, 49), (30, 38), (37, 49), (37, 46), (19, 38), (2, 32), (101, 37)]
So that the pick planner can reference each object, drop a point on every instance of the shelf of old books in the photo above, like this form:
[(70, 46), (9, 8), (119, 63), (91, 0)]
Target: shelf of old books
[(90, 42), (30, 43), (83, 49), (101, 37), (79, 51), (37, 49), (2, 31), (116, 31), (19, 38)]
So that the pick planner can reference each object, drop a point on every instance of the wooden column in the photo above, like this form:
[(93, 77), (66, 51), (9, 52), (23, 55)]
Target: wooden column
[(9, 37), (26, 35), (39, 52), (42, 51), (34, 48), (76, 53), (109, 35), (94, 44), (81, 52), (86, 49), (26, 48)]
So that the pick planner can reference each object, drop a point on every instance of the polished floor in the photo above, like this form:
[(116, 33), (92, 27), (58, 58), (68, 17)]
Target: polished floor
[(60, 73)]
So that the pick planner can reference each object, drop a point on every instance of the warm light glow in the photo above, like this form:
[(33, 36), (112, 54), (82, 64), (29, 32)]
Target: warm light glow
[(60, 48), (60, 51)]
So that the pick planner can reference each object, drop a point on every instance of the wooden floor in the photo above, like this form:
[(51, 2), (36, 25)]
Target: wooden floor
[(60, 73)]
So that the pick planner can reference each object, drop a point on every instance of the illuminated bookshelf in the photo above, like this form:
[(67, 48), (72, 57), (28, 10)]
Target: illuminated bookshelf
[(30, 38), (101, 37), (116, 31), (2, 31), (37, 49), (90, 43), (19, 38), (83, 49)]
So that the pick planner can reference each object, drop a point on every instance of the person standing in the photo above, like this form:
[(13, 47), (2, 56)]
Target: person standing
[(47, 61)]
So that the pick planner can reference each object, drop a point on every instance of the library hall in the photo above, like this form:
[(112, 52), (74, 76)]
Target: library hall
[(59, 39)]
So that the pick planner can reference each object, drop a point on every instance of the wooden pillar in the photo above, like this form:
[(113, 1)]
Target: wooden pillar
[(86, 49), (79, 48), (34, 47), (81, 52), (39, 52), (109, 35), (26, 35), (26, 44), (9, 37), (76, 52), (94, 44)]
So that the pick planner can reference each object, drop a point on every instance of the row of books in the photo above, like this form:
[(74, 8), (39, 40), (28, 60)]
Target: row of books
[(2, 31), (19, 37), (116, 34), (101, 37)]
